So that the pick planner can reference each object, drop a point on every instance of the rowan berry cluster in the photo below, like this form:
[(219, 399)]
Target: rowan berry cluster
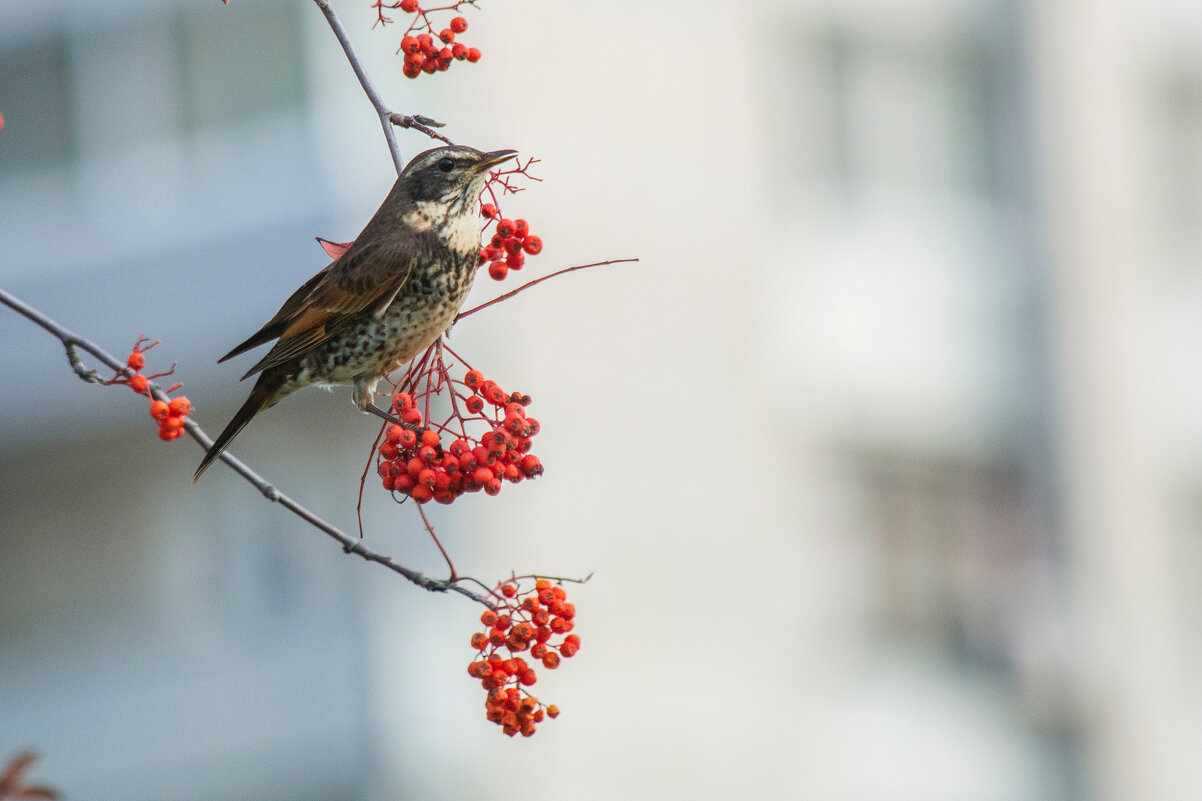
[(537, 620), (510, 243), (169, 414), (427, 48), (413, 459)]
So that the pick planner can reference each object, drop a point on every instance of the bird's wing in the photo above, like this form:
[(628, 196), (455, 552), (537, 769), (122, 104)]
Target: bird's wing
[(276, 325), (363, 282)]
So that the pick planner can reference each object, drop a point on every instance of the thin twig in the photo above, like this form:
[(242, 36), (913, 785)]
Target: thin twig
[(74, 343), (419, 123), (529, 284)]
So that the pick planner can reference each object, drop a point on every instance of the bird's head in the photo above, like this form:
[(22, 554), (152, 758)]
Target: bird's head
[(452, 176)]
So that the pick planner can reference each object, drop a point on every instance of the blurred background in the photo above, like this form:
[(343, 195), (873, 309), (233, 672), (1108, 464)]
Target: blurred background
[(885, 454)]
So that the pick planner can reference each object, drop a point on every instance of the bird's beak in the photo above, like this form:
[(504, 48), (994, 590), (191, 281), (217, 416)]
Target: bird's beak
[(494, 158)]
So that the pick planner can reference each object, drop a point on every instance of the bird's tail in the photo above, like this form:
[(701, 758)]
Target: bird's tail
[(261, 397)]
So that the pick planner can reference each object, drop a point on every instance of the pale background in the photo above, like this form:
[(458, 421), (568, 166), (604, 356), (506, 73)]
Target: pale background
[(886, 454)]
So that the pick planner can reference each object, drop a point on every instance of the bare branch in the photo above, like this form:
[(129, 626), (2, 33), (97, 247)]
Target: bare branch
[(387, 118), (73, 343), (529, 284), (372, 95), (419, 123)]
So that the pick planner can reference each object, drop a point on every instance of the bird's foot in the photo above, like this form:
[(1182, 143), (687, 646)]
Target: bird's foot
[(371, 408)]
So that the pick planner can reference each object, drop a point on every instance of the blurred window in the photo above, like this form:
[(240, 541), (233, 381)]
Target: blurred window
[(39, 129), (262, 58), (898, 114), (1181, 165), (953, 548)]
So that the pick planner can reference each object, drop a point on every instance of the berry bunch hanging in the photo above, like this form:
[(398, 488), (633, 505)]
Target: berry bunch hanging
[(511, 241), (415, 461), (428, 48), (538, 621), (169, 414)]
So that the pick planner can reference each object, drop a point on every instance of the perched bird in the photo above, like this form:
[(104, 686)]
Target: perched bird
[(386, 299)]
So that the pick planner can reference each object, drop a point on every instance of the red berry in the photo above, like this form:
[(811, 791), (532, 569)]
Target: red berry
[(473, 378), (411, 70), (473, 54), (447, 35), (459, 24), (180, 406), (520, 228), (488, 211), (408, 6), (509, 590), (421, 493), (532, 245), (139, 383), (409, 44), (159, 410), (495, 395), (474, 404), (505, 228), (515, 260), (430, 438), (498, 270), (136, 360)]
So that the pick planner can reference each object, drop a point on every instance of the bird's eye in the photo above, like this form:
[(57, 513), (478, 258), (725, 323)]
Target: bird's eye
[(446, 165)]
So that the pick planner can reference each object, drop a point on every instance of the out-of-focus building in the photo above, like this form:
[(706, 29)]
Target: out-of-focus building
[(885, 454)]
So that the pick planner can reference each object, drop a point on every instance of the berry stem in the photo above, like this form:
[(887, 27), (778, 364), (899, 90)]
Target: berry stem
[(529, 284), (430, 528)]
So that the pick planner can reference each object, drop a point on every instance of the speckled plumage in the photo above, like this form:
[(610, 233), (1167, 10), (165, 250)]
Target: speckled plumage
[(386, 299)]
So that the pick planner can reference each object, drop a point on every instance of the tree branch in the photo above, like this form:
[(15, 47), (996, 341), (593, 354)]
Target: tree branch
[(73, 343), (529, 284), (387, 118)]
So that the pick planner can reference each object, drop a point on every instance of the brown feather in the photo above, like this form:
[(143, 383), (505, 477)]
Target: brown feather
[(345, 291), (261, 397)]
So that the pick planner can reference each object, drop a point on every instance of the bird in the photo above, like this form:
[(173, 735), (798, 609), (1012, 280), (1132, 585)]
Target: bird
[(389, 296)]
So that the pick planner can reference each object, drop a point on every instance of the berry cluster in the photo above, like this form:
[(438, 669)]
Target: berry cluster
[(431, 50), (537, 620), (510, 243), (169, 414), (413, 461)]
